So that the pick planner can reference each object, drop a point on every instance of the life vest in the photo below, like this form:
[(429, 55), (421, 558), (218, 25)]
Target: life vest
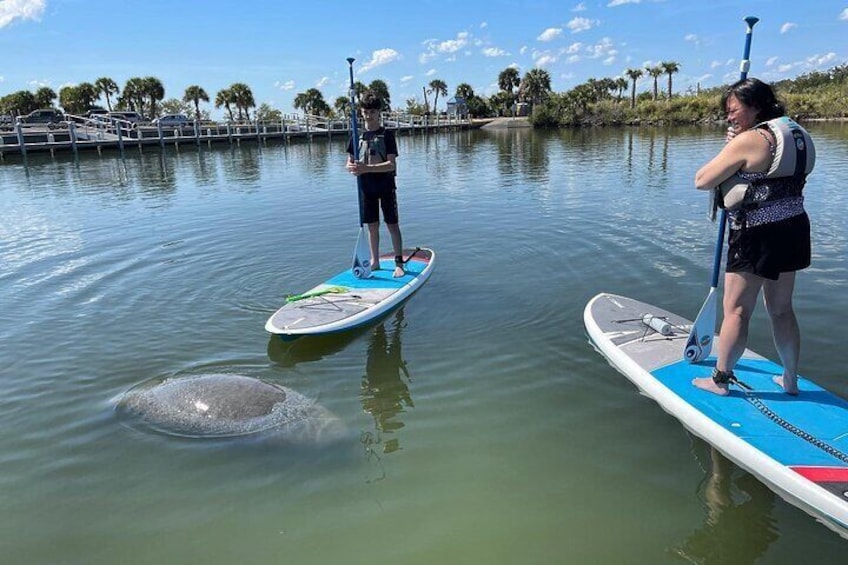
[(777, 193), (372, 147), (794, 154)]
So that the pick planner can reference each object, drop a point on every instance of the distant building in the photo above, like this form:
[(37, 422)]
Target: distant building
[(457, 107), (521, 109)]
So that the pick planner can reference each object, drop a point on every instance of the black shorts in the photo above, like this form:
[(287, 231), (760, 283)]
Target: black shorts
[(770, 249), (373, 199)]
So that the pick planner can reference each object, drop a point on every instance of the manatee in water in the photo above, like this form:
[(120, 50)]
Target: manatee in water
[(225, 405)]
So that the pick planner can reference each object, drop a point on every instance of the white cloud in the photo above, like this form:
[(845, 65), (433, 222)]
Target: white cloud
[(494, 52), (581, 7), (785, 68), (433, 47), (431, 72), (581, 24), (545, 60), (11, 10), (844, 14), (574, 48), (715, 64), (573, 59), (288, 85), (550, 34), (322, 82), (603, 48), (819, 60), (406, 78), (380, 57), (787, 26), (484, 24), (615, 3), (523, 50), (771, 61)]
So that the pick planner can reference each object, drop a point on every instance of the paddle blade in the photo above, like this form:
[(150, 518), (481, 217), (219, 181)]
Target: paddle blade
[(362, 256), (700, 341)]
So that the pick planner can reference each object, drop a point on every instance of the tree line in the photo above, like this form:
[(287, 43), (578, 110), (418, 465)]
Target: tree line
[(594, 102)]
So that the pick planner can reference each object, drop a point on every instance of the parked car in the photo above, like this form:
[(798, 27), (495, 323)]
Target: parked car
[(178, 120), (131, 117), (49, 116), (96, 112)]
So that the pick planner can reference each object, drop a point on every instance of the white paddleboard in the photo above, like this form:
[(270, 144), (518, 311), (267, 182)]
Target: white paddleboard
[(797, 446), (344, 301)]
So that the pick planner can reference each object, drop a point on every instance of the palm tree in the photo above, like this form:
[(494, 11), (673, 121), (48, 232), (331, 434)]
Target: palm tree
[(509, 80), (634, 75), (242, 98), (655, 72), (465, 91), (225, 98), (670, 67), (133, 96), (195, 94), (621, 85), (311, 102), (342, 106), (536, 85), (155, 91), (45, 96), (438, 87), (381, 90), (107, 86)]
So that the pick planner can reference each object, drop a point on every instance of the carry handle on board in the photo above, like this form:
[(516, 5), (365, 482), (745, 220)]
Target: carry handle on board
[(361, 252), (700, 341)]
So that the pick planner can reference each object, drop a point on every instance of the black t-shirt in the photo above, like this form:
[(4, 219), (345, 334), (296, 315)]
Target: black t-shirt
[(375, 147)]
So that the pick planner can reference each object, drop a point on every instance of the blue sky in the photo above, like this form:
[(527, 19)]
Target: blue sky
[(280, 48)]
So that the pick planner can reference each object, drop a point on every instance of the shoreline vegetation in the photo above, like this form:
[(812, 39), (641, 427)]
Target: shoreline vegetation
[(818, 95)]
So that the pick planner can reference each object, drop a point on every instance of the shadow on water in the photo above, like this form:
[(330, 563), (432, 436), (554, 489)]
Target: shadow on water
[(739, 525)]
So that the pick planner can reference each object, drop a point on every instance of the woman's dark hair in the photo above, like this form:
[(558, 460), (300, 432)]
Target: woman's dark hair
[(370, 101), (754, 93)]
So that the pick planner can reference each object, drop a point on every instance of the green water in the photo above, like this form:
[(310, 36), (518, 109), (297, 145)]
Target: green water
[(481, 426)]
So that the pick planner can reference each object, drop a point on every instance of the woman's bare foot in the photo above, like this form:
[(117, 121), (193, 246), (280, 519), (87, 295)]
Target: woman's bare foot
[(789, 388), (709, 385), (375, 265), (399, 272)]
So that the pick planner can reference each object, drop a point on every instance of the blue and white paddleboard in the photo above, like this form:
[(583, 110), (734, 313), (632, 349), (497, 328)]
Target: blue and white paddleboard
[(344, 302), (797, 446)]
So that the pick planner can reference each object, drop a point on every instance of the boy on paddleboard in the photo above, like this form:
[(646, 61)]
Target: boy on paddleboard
[(377, 154)]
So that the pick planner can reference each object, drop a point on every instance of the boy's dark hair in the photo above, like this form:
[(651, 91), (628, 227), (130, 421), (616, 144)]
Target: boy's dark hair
[(370, 101)]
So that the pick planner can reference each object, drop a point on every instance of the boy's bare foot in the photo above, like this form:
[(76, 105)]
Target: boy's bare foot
[(709, 385), (399, 272), (375, 265), (789, 388)]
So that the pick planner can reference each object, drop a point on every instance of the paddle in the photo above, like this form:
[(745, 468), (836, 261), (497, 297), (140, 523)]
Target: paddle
[(361, 253), (700, 341), (322, 292)]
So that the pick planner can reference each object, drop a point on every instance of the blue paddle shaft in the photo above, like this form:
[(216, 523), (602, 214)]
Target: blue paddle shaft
[(722, 220)]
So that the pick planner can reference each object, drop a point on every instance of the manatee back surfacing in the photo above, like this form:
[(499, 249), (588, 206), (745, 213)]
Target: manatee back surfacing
[(224, 405)]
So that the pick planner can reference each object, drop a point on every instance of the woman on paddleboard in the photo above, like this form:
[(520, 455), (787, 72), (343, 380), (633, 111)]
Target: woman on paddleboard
[(770, 156)]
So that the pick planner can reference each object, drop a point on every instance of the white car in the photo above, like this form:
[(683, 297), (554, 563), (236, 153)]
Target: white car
[(178, 120)]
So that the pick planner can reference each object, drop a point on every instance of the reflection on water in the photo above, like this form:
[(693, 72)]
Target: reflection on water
[(310, 348), (739, 525), (384, 391)]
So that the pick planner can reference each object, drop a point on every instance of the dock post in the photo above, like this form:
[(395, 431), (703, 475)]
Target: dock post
[(19, 130), (161, 139), (72, 133)]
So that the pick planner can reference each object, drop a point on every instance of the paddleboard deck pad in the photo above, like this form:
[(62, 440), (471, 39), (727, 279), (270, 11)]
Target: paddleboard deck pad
[(796, 445), (344, 302)]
